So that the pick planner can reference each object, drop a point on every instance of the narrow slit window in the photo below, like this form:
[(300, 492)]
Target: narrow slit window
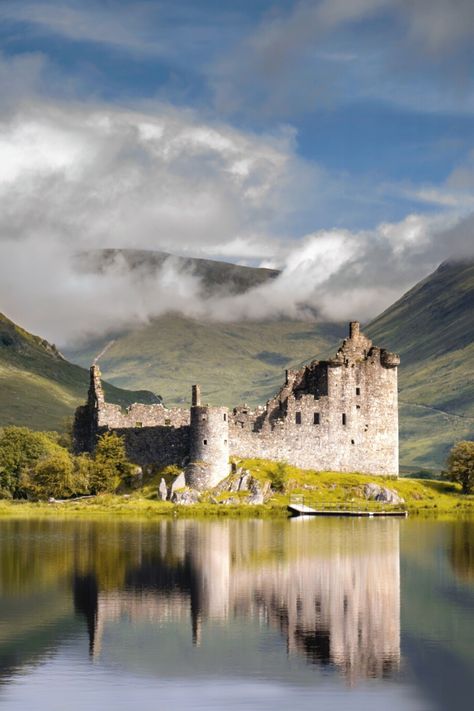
[(298, 418), (204, 441), (352, 441), (357, 391), (225, 417), (344, 418), (316, 418)]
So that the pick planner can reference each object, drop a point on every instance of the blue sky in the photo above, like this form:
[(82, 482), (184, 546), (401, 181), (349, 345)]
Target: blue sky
[(240, 130)]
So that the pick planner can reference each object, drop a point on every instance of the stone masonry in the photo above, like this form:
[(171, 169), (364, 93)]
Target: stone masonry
[(335, 415)]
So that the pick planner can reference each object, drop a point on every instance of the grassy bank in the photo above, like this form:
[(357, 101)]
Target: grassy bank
[(422, 496)]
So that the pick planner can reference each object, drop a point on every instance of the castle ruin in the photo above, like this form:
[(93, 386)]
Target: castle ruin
[(338, 415)]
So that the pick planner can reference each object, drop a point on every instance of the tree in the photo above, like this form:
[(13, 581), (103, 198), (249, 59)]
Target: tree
[(461, 465), (20, 451), (110, 466), (53, 476)]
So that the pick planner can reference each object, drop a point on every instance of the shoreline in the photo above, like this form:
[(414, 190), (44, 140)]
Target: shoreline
[(278, 484)]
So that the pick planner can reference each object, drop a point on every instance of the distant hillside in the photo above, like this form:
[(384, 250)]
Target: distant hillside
[(432, 327), (38, 387), (233, 362), (215, 275)]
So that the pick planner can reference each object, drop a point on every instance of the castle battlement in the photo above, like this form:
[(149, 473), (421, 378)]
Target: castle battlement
[(339, 415)]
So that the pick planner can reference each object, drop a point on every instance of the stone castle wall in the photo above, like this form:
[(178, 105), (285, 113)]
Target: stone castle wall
[(153, 434), (335, 415), (339, 415)]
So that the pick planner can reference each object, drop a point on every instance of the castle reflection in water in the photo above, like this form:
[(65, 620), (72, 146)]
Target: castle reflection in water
[(332, 591)]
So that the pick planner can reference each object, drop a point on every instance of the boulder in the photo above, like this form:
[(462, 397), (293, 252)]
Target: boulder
[(178, 483), (163, 490), (259, 491), (185, 496), (375, 492)]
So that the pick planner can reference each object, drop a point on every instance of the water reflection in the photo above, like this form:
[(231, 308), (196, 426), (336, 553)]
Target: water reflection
[(331, 591), (461, 550)]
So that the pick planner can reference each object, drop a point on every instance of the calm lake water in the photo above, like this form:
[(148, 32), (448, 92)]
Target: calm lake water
[(328, 614)]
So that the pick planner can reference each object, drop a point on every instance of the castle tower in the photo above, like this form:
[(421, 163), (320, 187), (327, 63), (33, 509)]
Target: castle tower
[(209, 444)]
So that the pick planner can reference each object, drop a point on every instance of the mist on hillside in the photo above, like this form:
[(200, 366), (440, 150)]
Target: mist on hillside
[(77, 182)]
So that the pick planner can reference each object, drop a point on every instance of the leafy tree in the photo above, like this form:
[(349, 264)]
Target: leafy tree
[(461, 465), (20, 451), (110, 466), (53, 476)]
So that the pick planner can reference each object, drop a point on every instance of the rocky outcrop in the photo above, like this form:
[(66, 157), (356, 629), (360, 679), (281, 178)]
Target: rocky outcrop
[(374, 492), (185, 497)]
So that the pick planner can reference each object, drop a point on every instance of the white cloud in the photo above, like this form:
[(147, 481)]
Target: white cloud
[(84, 177)]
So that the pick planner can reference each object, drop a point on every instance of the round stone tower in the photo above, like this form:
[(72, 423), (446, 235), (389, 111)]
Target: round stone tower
[(209, 444)]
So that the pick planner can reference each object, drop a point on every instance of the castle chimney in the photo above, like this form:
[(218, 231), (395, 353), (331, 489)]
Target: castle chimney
[(196, 397), (354, 329)]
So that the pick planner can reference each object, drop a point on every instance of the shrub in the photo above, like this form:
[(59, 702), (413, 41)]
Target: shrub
[(278, 476), (110, 466)]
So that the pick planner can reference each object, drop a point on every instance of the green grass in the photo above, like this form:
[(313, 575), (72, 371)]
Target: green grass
[(422, 497)]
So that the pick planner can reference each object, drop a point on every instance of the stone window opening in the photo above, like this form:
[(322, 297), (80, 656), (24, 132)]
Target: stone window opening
[(225, 441), (357, 407), (344, 418), (357, 391), (204, 418), (225, 417), (167, 421), (298, 418), (316, 418), (352, 441), (204, 441), (138, 424)]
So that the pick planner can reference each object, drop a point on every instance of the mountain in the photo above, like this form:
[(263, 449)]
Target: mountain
[(432, 328), (38, 387), (215, 276)]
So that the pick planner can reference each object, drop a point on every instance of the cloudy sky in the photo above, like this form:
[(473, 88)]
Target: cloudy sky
[(332, 139)]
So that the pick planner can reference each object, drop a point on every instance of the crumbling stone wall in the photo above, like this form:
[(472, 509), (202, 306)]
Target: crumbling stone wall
[(153, 434), (334, 415)]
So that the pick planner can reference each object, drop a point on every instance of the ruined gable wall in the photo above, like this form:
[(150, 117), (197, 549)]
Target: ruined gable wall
[(351, 428)]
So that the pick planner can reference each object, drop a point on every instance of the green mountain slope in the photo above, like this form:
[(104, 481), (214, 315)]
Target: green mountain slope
[(233, 362), (38, 387), (432, 327)]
